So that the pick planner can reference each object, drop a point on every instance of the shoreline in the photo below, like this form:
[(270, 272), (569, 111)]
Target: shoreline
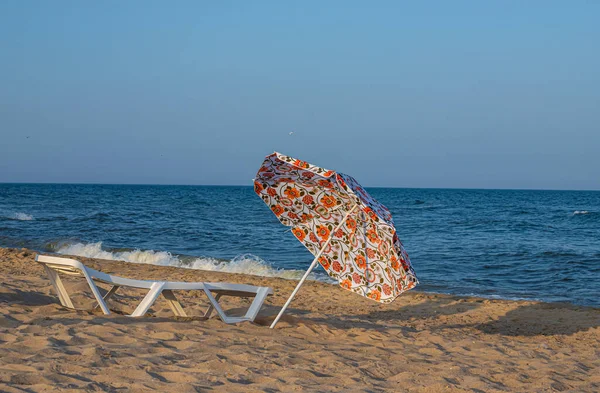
[(330, 340), (269, 271)]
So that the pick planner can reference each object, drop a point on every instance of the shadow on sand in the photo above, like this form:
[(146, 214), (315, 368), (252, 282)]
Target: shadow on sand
[(29, 298), (527, 320), (546, 319), (430, 309), (376, 320)]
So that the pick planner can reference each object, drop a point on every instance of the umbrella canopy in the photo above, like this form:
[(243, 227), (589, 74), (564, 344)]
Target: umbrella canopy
[(351, 234)]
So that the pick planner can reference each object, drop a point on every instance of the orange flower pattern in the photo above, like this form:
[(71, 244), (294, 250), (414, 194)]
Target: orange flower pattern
[(324, 262), (365, 255), (299, 233), (278, 210), (346, 284), (375, 295), (323, 232), (328, 201), (292, 193), (361, 262)]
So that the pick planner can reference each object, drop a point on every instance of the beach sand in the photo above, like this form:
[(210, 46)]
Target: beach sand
[(329, 341)]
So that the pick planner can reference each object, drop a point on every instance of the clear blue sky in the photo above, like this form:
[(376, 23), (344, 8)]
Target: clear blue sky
[(483, 94)]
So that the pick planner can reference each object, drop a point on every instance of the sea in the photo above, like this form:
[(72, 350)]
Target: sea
[(509, 244)]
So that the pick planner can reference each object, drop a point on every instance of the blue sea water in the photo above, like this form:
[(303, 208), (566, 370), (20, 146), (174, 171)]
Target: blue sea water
[(514, 244)]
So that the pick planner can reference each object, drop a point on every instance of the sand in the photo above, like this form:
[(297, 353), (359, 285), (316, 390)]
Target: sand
[(330, 341)]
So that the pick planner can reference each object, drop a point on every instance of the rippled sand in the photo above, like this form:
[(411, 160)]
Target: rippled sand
[(330, 341)]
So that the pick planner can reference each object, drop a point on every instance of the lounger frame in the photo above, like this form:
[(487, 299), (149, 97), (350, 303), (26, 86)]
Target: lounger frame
[(214, 291)]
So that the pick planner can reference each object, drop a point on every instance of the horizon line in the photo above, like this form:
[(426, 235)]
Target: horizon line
[(246, 185)]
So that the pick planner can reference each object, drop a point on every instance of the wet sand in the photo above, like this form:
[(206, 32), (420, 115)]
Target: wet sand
[(329, 341)]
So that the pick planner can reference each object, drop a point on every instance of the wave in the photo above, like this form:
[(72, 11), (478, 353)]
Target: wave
[(248, 264), (22, 217), (243, 264), (576, 212), (94, 250)]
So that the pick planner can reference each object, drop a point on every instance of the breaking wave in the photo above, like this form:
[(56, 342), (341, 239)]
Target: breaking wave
[(243, 264), (576, 212), (22, 217)]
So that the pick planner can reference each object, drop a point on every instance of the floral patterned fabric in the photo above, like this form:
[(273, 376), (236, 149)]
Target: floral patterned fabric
[(364, 255)]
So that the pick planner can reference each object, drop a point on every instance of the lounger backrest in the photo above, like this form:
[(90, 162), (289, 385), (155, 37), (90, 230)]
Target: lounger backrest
[(62, 265), (76, 268)]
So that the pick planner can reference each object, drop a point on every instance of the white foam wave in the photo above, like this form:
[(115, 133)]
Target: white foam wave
[(581, 212), (244, 264), (94, 250), (23, 217)]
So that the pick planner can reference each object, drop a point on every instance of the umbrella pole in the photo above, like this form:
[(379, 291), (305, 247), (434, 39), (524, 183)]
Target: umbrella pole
[(312, 266)]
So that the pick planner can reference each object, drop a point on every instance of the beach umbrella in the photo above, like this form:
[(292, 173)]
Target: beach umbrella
[(350, 234)]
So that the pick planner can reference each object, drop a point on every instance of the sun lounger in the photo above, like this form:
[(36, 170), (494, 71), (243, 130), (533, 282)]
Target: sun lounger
[(214, 291)]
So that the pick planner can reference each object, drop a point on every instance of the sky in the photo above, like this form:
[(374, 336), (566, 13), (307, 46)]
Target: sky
[(442, 94)]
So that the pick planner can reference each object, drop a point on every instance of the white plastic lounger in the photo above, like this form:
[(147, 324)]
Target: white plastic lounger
[(55, 265)]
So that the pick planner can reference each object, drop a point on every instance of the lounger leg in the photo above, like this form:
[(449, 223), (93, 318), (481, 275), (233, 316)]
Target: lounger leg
[(149, 300), (108, 295), (174, 303), (96, 293), (218, 308), (257, 303), (253, 310), (211, 307), (60, 289)]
